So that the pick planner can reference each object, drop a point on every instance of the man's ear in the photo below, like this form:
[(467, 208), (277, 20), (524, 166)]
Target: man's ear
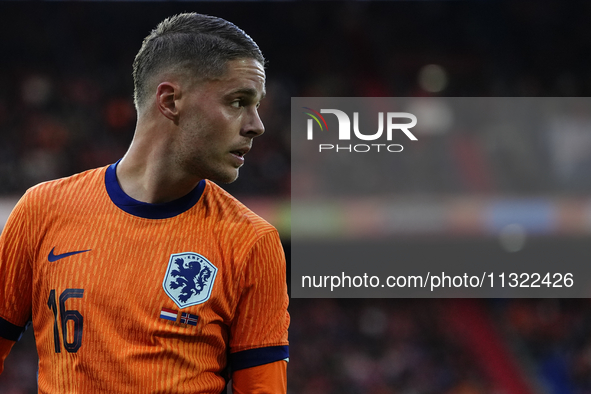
[(167, 94)]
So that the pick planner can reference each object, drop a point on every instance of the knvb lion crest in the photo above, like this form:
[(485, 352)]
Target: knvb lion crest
[(189, 279)]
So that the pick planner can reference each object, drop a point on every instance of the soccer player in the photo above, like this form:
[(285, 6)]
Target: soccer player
[(145, 276)]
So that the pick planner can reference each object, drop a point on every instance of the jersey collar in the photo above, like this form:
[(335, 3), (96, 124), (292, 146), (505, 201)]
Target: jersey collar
[(146, 210)]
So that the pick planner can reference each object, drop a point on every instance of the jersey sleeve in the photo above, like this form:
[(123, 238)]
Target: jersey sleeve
[(15, 276), (259, 329), (264, 379)]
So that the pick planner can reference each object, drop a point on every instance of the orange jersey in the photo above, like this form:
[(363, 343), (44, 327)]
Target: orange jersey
[(128, 297)]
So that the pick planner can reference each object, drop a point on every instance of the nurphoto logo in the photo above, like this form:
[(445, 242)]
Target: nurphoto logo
[(344, 132)]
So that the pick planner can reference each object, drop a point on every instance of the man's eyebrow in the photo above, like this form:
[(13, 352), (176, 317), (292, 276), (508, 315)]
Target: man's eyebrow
[(249, 92)]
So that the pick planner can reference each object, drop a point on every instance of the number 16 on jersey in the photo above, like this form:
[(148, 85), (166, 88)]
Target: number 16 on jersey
[(63, 317)]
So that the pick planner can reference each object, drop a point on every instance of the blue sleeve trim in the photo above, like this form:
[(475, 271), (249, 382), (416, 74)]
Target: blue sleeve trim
[(145, 210), (259, 356), (10, 331)]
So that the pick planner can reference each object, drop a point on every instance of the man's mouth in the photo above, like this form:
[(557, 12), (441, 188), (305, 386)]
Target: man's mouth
[(240, 152)]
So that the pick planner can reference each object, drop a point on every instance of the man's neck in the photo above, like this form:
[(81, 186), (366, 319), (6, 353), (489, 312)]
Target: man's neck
[(148, 172)]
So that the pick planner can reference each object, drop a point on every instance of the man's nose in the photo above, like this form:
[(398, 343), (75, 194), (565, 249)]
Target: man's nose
[(254, 125)]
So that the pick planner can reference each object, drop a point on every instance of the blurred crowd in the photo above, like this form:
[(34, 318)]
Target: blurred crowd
[(552, 339), (383, 347), (413, 346)]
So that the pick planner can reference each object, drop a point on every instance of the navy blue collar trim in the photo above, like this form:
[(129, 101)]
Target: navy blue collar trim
[(146, 210)]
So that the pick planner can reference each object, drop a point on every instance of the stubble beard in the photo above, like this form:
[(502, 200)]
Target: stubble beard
[(204, 163), (223, 176), (203, 166), (206, 168)]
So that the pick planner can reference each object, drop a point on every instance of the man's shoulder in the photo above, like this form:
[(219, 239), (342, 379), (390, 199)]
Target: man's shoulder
[(230, 209), (68, 187)]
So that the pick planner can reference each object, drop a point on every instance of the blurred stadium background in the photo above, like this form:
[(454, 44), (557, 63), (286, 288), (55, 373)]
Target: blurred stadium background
[(65, 106)]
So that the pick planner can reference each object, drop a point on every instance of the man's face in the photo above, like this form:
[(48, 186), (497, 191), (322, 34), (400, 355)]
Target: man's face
[(218, 120)]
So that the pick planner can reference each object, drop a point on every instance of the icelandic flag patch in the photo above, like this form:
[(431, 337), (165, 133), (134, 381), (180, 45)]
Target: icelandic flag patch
[(168, 314), (187, 318)]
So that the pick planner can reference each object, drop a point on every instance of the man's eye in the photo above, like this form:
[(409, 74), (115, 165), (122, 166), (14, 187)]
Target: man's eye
[(236, 103)]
